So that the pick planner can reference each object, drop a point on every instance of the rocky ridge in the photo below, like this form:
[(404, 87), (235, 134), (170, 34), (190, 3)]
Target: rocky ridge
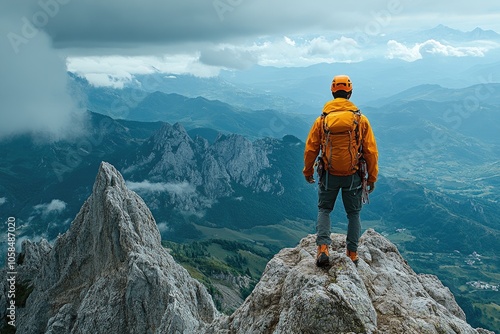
[(207, 171), (110, 274)]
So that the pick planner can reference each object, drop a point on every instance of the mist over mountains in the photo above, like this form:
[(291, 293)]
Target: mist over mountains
[(221, 157), (395, 62)]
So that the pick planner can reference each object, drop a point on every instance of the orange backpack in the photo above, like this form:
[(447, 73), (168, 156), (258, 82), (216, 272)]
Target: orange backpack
[(340, 141)]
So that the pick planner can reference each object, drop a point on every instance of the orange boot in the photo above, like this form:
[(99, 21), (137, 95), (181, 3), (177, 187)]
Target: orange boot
[(323, 257), (353, 256)]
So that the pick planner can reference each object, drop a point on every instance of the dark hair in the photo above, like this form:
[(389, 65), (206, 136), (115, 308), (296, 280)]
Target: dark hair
[(342, 93)]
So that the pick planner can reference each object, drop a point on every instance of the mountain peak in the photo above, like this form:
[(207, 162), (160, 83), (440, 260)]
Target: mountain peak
[(168, 131), (109, 273), (479, 33), (110, 195), (443, 27), (168, 137)]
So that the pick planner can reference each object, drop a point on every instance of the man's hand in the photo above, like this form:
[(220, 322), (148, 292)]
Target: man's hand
[(310, 179), (371, 187)]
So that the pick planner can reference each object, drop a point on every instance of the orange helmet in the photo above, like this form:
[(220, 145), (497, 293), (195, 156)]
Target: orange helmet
[(341, 82)]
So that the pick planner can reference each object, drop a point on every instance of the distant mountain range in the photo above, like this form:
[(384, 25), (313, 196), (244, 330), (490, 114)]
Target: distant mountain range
[(472, 96), (305, 89), (444, 33)]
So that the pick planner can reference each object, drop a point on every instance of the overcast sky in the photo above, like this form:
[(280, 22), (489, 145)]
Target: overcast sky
[(109, 41)]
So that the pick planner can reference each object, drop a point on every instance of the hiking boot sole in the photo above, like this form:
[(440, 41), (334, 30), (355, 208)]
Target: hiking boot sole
[(323, 260)]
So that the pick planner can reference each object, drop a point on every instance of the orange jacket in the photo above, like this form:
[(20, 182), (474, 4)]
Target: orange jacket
[(313, 142)]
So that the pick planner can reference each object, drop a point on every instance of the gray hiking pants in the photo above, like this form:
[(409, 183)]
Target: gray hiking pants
[(351, 197)]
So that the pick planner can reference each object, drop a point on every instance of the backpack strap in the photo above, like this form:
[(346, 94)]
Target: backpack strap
[(356, 130), (322, 134)]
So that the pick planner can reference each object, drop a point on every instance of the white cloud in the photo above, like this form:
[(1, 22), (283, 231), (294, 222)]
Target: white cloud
[(107, 79), (19, 242), (435, 47), (228, 56), (342, 49), (55, 206), (3, 200), (298, 51), (33, 85), (33, 239), (116, 71), (396, 50), (179, 188), (289, 41), (163, 227)]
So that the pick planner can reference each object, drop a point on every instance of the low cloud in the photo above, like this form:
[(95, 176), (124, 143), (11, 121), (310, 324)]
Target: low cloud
[(55, 206), (342, 49), (396, 50), (33, 239), (163, 228), (286, 51), (180, 188), (228, 57), (3, 200), (34, 94), (118, 71)]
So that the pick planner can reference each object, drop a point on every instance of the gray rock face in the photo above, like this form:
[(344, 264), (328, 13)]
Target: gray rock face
[(382, 295), (110, 274), (210, 171)]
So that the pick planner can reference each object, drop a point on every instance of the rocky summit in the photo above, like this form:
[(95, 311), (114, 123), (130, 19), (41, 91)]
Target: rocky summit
[(381, 295), (110, 274)]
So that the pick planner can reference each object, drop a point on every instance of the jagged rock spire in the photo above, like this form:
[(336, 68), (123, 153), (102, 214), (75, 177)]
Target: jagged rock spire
[(110, 274)]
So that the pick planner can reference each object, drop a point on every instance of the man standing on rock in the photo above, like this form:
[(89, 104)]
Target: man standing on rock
[(343, 141)]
